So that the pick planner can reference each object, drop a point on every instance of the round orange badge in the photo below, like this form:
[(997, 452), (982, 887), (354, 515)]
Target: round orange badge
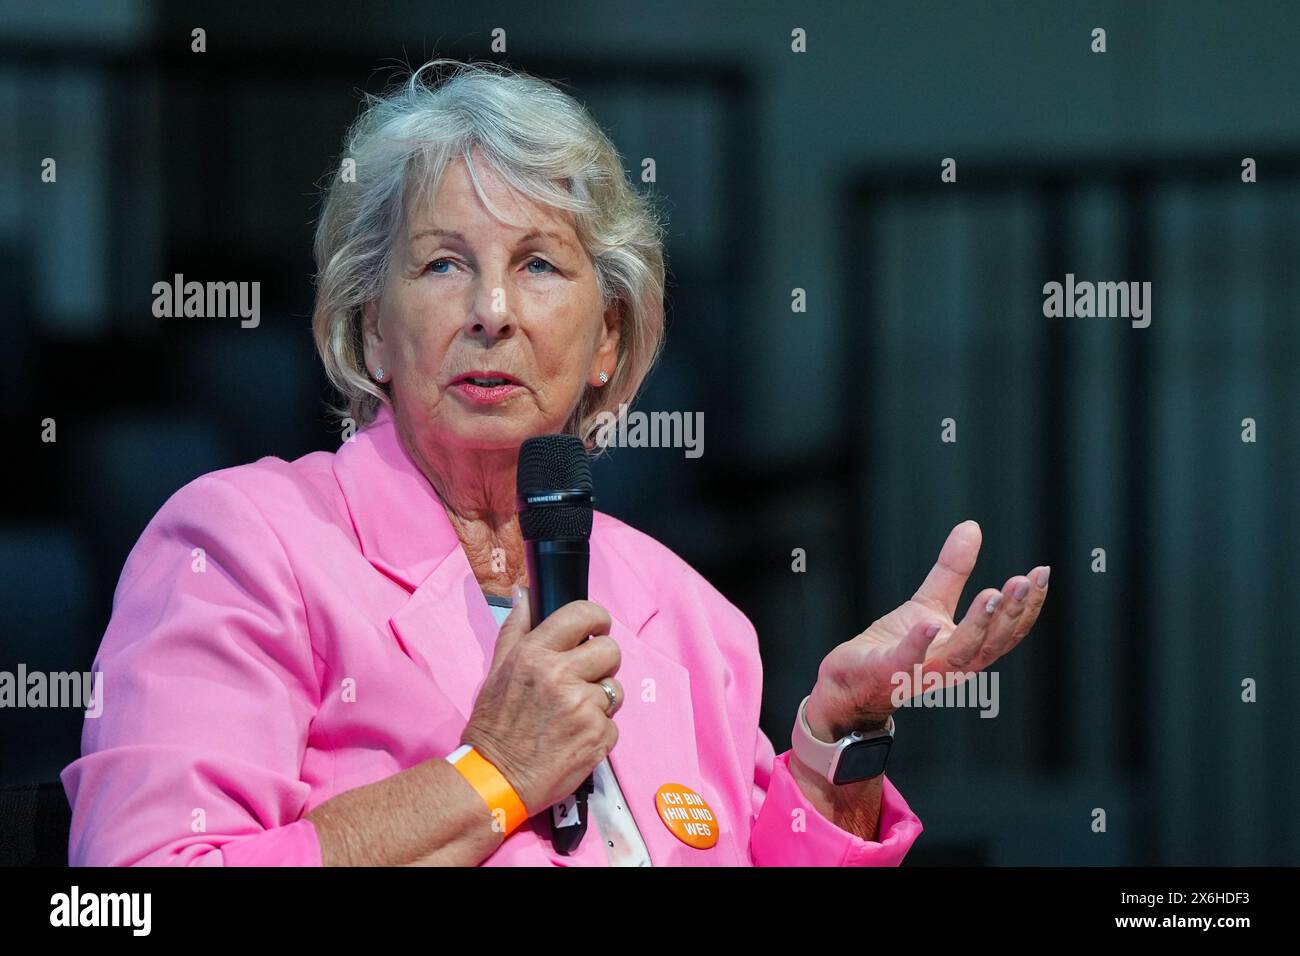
[(687, 816)]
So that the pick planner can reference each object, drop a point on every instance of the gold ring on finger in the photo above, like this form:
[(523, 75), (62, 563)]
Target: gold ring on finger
[(612, 694)]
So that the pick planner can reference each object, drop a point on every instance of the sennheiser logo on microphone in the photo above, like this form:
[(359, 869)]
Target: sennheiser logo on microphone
[(578, 497)]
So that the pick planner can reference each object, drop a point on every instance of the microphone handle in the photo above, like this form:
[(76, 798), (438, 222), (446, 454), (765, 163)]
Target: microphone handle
[(557, 574)]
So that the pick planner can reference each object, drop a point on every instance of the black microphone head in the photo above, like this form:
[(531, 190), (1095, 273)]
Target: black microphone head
[(554, 467)]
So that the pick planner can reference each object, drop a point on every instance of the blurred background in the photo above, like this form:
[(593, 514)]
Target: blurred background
[(817, 171)]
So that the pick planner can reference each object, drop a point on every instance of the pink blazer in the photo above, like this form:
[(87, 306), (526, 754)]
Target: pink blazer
[(285, 631)]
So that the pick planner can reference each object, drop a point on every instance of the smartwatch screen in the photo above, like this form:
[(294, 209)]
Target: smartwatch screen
[(862, 760)]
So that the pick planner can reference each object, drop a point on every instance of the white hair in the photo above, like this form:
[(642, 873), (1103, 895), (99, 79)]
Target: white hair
[(545, 145)]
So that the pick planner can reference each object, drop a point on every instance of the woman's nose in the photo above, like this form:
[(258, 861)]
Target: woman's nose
[(491, 315)]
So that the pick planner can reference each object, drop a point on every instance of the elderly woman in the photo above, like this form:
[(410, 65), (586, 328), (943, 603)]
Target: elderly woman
[(330, 661)]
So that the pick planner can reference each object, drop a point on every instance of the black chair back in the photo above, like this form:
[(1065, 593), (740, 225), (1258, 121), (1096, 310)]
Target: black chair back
[(34, 824)]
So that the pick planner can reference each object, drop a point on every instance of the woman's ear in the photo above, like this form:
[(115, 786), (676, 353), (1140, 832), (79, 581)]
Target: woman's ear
[(606, 357), (372, 342)]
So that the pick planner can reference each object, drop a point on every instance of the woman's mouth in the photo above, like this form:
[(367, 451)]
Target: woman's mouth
[(485, 388)]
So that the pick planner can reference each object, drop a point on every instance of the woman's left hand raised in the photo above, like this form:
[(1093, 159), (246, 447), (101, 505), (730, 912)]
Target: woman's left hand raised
[(856, 680)]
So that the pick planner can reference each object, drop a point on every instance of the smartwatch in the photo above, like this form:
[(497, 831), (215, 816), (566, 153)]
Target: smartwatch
[(852, 758)]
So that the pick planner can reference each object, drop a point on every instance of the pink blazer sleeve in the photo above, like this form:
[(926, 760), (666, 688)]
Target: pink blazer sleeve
[(209, 690), (776, 840), (786, 829)]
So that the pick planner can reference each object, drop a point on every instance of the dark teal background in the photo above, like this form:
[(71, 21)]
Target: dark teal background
[(817, 171)]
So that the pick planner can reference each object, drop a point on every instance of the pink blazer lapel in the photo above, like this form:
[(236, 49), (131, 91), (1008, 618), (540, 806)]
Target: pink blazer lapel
[(447, 628), (656, 724), (656, 739)]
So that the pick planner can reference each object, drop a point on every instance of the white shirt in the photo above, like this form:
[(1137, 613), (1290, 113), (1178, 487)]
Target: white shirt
[(606, 806)]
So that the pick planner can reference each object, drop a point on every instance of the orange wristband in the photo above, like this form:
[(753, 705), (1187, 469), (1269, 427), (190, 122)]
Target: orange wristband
[(490, 784)]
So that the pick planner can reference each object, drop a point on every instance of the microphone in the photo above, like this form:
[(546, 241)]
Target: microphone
[(554, 502)]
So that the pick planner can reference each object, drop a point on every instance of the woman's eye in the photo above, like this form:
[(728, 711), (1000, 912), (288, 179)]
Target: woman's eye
[(541, 262), (433, 266)]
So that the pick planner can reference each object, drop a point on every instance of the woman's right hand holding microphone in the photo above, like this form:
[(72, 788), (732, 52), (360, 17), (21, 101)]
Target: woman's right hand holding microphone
[(542, 717)]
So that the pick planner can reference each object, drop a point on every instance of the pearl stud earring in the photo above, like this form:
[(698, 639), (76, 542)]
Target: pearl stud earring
[(604, 376)]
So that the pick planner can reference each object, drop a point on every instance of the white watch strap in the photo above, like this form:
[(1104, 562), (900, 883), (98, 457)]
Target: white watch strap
[(818, 755)]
